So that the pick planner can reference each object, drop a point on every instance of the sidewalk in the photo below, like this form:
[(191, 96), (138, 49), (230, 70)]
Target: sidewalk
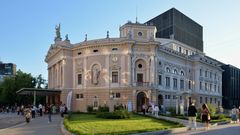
[(37, 126), (184, 130)]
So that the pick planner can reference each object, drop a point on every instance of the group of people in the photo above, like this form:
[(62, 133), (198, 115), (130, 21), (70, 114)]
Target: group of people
[(154, 109), (30, 111), (204, 115)]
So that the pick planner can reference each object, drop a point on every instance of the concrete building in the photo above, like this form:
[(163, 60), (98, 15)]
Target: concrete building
[(134, 69), (173, 24), (231, 86), (7, 69)]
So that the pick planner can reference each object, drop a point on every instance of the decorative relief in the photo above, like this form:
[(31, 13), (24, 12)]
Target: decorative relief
[(142, 49), (95, 74)]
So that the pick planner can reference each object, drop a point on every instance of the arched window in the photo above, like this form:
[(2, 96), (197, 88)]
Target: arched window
[(168, 69), (182, 73), (175, 71)]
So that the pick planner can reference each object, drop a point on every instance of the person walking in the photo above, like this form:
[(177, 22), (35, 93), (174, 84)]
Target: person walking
[(33, 112), (205, 115), (62, 110), (49, 108), (144, 109), (234, 114), (156, 110), (192, 114), (40, 109)]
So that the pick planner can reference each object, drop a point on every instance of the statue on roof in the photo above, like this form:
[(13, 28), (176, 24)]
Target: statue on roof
[(66, 37), (57, 28)]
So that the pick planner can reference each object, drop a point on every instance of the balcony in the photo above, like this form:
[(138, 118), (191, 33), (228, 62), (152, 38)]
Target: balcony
[(143, 85)]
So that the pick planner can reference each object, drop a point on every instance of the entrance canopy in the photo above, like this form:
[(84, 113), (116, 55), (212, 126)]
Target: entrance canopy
[(39, 92)]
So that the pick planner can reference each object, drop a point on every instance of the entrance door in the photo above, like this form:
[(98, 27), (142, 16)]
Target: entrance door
[(160, 100), (141, 100)]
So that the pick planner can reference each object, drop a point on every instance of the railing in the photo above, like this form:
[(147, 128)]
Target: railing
[(142, 84)]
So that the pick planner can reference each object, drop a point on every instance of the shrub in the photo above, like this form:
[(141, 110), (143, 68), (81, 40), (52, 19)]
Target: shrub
[(90, 109), (118, 114), (118, 107), (103, 108), (221, 116), (172, 110), (212, 109)]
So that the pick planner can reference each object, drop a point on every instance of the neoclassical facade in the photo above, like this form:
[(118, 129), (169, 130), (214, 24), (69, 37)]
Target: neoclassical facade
[(133, 69)]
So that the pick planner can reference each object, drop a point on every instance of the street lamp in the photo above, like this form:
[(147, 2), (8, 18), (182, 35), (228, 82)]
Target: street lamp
[(111, 101)]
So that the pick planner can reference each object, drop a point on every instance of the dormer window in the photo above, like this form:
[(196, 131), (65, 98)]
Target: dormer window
[(95, 50)]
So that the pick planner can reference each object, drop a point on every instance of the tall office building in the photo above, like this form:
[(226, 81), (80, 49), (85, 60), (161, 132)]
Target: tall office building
[(7, 69), (231, 86), (173, 24)]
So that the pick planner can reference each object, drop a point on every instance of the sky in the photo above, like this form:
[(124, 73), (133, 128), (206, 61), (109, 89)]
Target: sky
[(27, 27)]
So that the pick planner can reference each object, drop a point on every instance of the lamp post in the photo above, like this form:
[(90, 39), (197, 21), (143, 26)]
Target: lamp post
[(176, 104), (111, 101)]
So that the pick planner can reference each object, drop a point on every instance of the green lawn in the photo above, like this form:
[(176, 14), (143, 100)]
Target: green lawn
[(88, 124)]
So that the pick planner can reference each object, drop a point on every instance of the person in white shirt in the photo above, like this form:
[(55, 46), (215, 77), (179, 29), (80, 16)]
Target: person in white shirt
[(156, 110), (40, 109)]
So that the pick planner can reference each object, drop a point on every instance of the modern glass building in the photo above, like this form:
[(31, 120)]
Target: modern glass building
[(173, 24), (231, 86)]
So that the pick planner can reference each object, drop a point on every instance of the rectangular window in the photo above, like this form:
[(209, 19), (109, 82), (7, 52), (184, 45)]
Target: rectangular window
[(78, 96), (181, 84), (215, 88), (215, 76), (114, 77), (200, 100), (174, 83), (159, 79), (215, 100), (200, 72), (167, 81), (210, 74), (118, 95), (200, 86), (206, 73), (206, 100), (169, 96), (186, 52), (189, 85), (210, 100), (166, 96), (180, 49), (210, 87), (79, 79), (206, 86)]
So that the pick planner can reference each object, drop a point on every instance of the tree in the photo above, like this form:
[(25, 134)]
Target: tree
[(12, 84)]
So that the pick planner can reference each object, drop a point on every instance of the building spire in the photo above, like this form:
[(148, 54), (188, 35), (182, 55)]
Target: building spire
[(85, 37), (107, 34)]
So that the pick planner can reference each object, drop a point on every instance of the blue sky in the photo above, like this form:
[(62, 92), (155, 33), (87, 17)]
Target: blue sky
[(27, 27)]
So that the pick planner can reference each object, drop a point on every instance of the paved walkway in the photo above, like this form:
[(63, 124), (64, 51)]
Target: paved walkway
[(10, 119), (37, 126), (228, 129)]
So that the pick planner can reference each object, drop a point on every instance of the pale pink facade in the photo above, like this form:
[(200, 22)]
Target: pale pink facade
[(129, 70)]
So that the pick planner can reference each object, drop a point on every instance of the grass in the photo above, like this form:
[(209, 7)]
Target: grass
[(81, 124)]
